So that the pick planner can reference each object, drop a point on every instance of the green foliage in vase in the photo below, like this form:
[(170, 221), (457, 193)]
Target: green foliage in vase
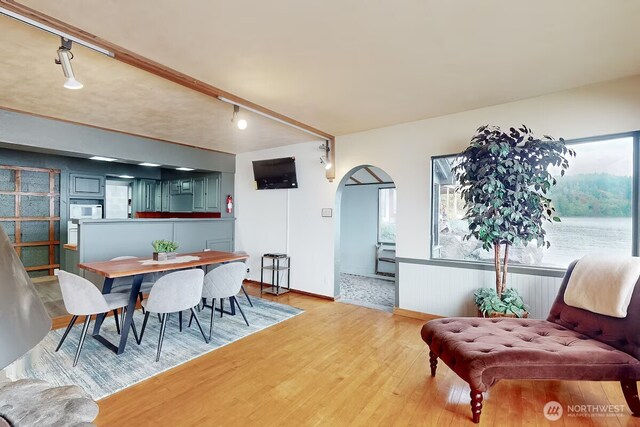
[(164, 246), (487, 301)]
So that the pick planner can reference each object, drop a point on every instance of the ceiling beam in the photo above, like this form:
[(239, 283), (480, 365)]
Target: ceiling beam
[(355, 180), (376, 177), (128, 57)]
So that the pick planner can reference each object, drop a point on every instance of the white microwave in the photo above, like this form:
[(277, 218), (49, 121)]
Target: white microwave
[(85, 211)]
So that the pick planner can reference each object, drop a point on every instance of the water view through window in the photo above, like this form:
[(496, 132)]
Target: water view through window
[(594, 201)]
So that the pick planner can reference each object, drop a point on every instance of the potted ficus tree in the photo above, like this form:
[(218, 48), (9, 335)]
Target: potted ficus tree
[(504, 179), (164, 249)]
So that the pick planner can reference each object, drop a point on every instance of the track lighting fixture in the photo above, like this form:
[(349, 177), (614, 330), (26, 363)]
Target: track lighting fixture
[(64, 60), (241, 123), (325, 160)]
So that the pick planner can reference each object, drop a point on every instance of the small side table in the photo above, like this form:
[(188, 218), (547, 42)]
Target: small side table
[(279, 263)]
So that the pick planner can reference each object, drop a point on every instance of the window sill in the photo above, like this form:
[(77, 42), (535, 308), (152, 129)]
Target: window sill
[(477, 265)]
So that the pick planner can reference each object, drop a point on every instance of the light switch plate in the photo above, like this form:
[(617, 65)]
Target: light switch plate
[(327, 212)]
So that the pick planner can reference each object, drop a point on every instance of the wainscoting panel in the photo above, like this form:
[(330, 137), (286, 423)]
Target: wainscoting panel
[(448, 291)]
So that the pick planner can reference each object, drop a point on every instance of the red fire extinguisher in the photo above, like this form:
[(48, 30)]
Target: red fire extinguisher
[(229, 203)]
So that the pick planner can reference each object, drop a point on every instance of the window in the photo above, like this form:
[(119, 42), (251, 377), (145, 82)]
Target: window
[(594, 200), (387, 215)]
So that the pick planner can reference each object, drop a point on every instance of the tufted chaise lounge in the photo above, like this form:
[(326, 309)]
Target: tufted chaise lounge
[(572, 344)]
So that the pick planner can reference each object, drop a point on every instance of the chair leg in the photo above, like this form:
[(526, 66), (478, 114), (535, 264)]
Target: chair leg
[(115, 317), (246, 295), (165, 318), (221, 306), (240, 308), (141, 298), (191, 317), (133, 328), (213, 310), (180, 320), (144, 326), (66, 332), (193, 314), (476, 405), (630, 390), (433, 362), (87, 321)]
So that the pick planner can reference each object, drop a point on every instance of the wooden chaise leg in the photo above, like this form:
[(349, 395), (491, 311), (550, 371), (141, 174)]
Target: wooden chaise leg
[(630, 390), (433, 362), (476, 405)]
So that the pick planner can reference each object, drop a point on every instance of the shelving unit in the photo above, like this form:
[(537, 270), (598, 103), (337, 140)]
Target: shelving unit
[(30, 215), (277, 269)]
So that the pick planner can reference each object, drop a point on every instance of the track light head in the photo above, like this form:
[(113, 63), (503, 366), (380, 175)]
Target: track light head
[(241, 123), (64, 60), (326, 162)]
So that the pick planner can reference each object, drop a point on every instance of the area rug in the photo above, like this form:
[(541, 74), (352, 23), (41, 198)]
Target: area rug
[(101, 372), (367, 291)]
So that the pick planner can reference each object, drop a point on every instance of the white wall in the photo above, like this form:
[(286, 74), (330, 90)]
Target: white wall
[(404, 152), (266, 217)]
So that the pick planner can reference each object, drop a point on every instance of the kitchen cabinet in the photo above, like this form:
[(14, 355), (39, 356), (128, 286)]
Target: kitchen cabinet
[(87, 186), (182, 186), (175, 186), (212, 193), (165, 190), (199, 194), (206, 193), (186, 186), (149, 196)]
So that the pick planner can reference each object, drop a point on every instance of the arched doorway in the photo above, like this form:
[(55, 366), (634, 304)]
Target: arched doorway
[(365, 239)]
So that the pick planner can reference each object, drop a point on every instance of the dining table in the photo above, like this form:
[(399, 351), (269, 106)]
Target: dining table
[(137, 268)]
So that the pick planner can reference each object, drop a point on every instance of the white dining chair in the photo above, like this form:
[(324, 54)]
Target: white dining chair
[(173, 293), (123, 284), (82, 298), (223, 282), (246, 263)]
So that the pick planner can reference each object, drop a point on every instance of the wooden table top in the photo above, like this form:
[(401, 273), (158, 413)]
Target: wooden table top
[(133, 266)]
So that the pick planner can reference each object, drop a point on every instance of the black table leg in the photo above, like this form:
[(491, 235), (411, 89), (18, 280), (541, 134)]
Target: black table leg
[(106, 289), (131, 308)]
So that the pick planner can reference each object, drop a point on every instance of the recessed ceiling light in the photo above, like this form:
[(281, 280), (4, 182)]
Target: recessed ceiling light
[(126, 176), (151, 165), (103, 159), (184, 169)]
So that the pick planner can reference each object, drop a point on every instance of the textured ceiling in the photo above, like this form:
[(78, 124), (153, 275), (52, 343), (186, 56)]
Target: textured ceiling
[(348, 65), (120, 97)]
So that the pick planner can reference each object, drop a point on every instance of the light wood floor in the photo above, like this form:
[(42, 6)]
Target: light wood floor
[(336, 365)]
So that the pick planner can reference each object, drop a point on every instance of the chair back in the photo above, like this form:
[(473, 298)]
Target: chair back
[(622, 334), (80, 296), (122, 281), (224, 281), (177, 291), (246, 261)]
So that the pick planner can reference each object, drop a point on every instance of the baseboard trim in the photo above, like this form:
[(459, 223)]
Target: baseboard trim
[(415, 314), (295, 291)]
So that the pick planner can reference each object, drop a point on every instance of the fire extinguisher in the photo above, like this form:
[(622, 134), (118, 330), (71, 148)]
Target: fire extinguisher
[(229, 203)]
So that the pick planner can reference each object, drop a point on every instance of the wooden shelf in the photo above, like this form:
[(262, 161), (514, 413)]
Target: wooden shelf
[(30, 218), (45, 243)]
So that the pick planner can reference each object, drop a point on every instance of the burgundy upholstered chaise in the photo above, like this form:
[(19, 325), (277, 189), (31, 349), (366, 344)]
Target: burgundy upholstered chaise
[(572, 344)]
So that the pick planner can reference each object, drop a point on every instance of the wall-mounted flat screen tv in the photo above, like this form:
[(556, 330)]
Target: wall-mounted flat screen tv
[(275, 173)]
